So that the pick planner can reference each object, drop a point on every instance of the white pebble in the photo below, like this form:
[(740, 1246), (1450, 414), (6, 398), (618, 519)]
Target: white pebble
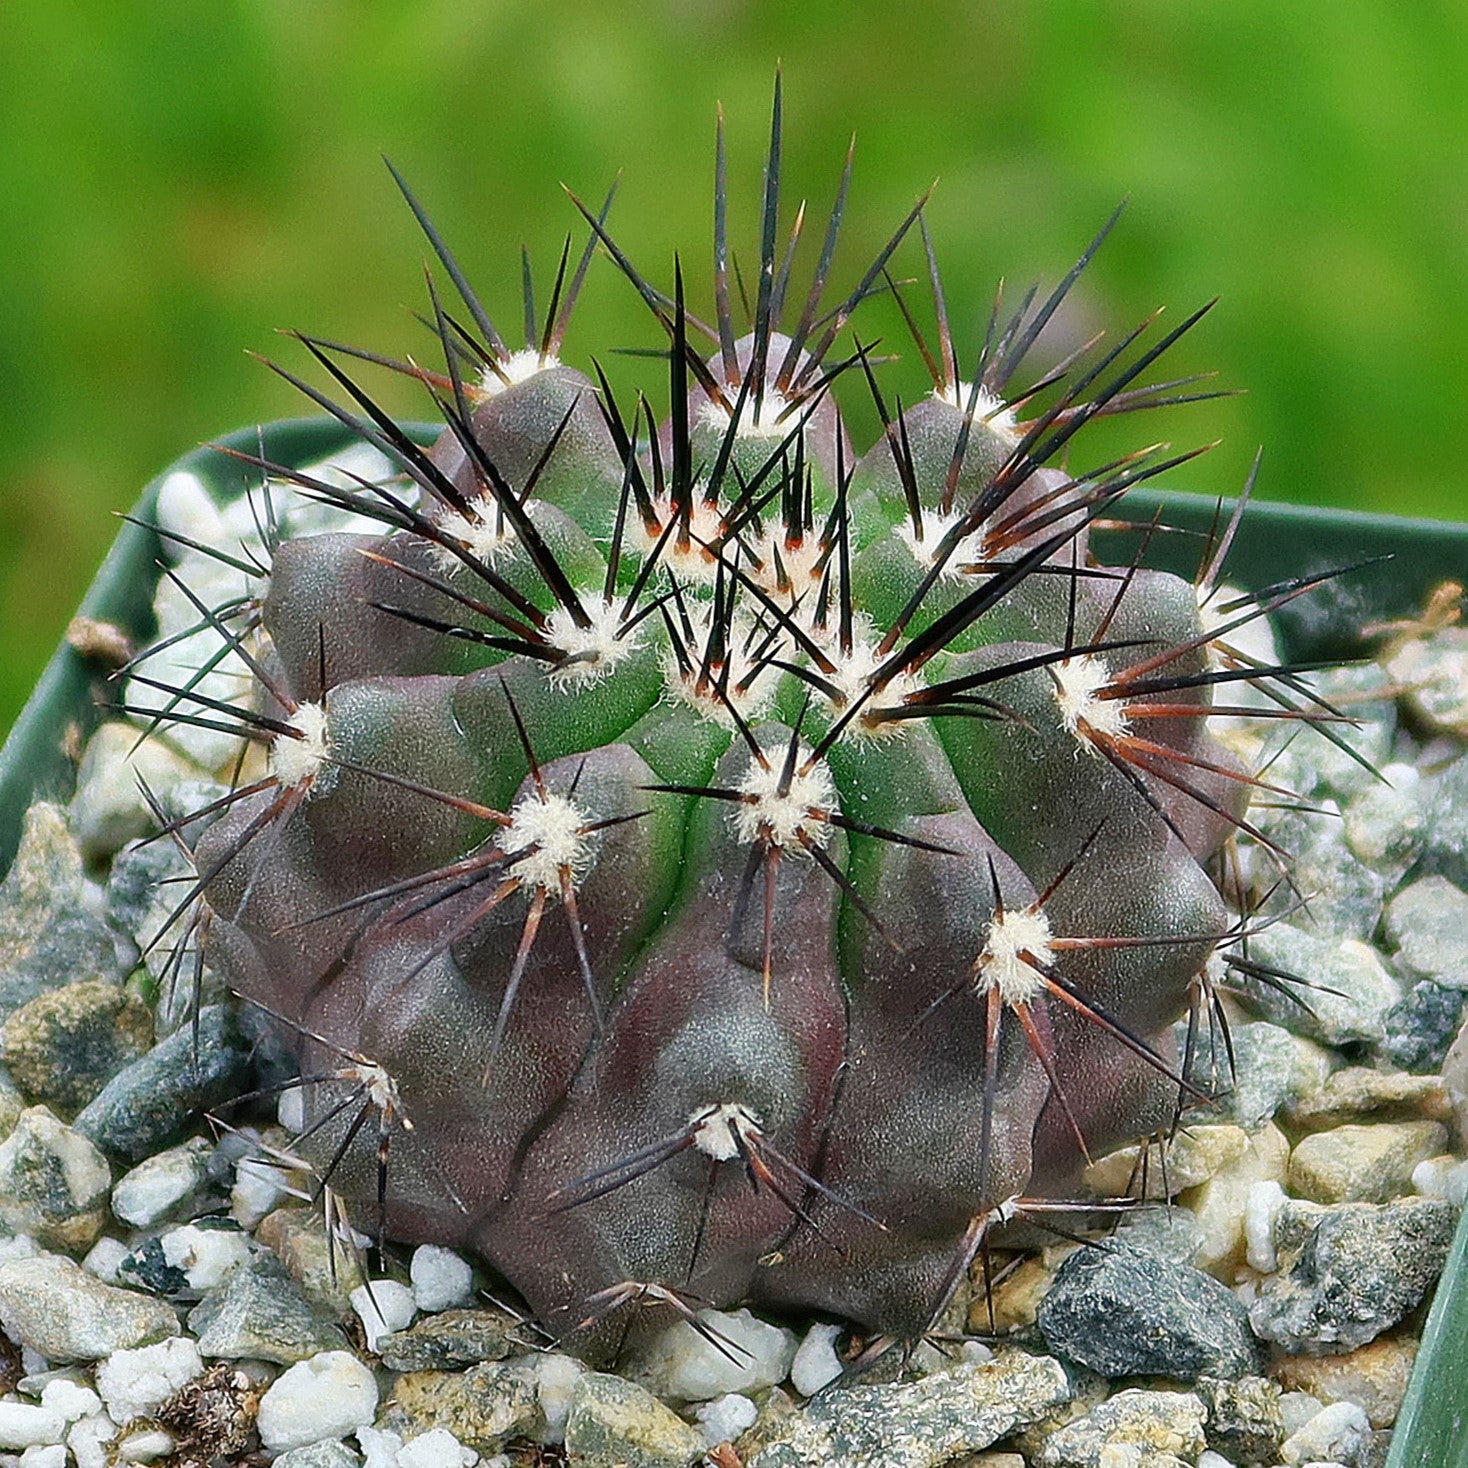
[(104, 1257), (25, 1426), (18, 1246), (186, 508), (207, 1256), (258, 1187), (1210, 1459), (330, 1395), (89, 1439), (70, 1398), (380, 1445), (145, 1447), (1339, 1432), (290, 1110), (555, 1380), (437, 1448), (32, 1362), (725, 1418), (1442, 1177), (441, 1279), (135, 1383), (157, 1185), (816, 1363), (383, 1306), (749, 1354), (48, 1457), (1261, 1208), (1296, 1409)]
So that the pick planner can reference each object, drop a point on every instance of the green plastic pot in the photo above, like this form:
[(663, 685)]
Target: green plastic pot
[(1399, 562)]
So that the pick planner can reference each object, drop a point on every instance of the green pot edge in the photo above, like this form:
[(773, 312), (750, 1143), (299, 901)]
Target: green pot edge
[(1274, 543)]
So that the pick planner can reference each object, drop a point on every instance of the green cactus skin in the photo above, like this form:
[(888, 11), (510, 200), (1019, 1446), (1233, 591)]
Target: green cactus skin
[(696, 861)]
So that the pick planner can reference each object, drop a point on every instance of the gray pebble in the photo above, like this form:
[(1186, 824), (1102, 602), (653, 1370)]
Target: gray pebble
[(1167, 1232), (152, 1100), (1421, 1027), (1427, 923), (49, 934), (1345, 895), (1349, 1272), (133, 883), (259, 1313), (1271, 1068), (1244, 1423), (1445, 841), (1352, 992), (1313, 766), (333, 1453), (56, 1308), (919, 1424), (64, 1045), (1125, 1313), (618, 1424), (53, 1183), (1155, 1423), (1384, 824), (451, 1339)]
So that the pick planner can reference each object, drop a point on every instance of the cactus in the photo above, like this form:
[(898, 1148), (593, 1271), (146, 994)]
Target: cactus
[(694, 861)]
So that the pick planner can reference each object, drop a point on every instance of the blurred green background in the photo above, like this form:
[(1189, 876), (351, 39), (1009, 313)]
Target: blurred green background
[(180, 178)]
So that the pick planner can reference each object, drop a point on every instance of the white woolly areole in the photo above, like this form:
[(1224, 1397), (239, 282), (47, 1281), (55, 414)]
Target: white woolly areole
[(294, 761), (783, 820), (510, 371), (596, 650), (692, 563), (989, 408), (1077, 682), (380, 1088), (1000, 965), (801, 562), (488, 537), (766, 421), (851, 673), (935, 528), (716, 1128), (549, 830), (741, 642)]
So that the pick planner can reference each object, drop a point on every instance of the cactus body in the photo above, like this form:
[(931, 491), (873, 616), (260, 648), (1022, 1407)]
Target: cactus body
[(705, 861)]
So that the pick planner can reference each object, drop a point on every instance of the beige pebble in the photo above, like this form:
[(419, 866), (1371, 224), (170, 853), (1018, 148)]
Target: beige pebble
[(1374, 1377), (1196, 1154), (1220, 1203), (1363, 1164), (1356, 1093)]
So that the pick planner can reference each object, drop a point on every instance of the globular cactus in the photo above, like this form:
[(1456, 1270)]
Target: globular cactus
[(694, 861)]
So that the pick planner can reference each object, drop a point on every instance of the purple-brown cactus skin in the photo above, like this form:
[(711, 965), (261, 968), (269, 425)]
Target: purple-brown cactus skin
[(698, 861)]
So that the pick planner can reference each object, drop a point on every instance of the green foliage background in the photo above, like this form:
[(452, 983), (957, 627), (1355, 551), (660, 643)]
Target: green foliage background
[(179, 178)]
